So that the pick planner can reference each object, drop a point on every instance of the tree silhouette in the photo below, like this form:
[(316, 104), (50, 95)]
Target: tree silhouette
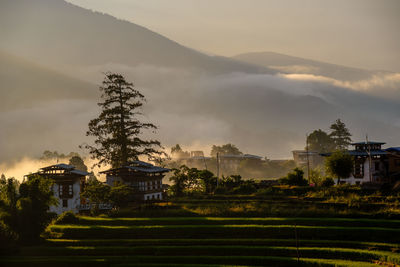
[(117, 129), (340, 135)]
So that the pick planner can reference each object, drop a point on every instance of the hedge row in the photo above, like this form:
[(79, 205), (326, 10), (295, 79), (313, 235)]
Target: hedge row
[(308, 252), (226, 242), (174, 261), (222, 221), (375, 234)]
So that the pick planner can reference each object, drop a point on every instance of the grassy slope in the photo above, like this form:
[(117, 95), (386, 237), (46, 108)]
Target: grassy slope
[(204, 241)]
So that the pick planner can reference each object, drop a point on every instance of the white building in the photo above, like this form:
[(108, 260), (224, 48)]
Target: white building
[(144, 177), (371, 163), (68, 184)]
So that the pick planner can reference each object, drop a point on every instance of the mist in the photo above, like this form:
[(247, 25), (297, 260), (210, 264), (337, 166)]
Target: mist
[(49, 90)]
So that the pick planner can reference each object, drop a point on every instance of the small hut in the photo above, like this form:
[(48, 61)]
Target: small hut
[(145, 178)]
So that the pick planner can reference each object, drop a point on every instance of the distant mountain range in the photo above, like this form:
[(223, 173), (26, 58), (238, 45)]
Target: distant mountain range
[(53, 54), (58, 33)]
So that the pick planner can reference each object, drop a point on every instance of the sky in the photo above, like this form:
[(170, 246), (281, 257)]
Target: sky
[(357, 33)]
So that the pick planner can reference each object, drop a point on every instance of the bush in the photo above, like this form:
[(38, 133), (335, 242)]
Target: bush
[(328, 182), (68, 217), (296, 177), (245, 188)]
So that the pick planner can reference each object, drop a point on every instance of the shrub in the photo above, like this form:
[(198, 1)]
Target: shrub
[(245, 188), (67, 217), (296, 177), (328, 182)]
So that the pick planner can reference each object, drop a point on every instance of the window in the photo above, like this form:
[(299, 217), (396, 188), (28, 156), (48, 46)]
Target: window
[(377, 166), (65, 203), (147, 197), (66, 190), (358, 169), (158, 196)]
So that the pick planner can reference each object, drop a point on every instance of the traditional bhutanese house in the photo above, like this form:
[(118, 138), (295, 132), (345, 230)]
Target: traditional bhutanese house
[(68, 184), (144, 177), (369, 158)]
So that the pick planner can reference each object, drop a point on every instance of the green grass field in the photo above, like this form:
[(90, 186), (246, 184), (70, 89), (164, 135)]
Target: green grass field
[(213, 241)]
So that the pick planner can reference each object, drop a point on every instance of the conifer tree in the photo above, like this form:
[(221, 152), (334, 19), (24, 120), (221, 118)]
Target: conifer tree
[(117, 129), (340, 135)]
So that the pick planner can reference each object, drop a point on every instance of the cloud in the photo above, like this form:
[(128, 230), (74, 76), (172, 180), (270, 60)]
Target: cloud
[(262, 114), (386, 85)]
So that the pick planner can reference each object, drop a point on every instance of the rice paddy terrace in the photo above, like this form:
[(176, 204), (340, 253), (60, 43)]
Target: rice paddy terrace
[(213, 241)]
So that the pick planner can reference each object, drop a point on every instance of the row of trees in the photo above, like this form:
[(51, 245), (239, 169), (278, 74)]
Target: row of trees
[(227, 149), (187, 181)]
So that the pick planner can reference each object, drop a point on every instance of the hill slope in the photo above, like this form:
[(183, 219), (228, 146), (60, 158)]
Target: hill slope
[(56, 32), (26, 84)]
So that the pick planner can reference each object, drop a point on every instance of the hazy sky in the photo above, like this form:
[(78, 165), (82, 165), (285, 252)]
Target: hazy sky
[(360, 33)]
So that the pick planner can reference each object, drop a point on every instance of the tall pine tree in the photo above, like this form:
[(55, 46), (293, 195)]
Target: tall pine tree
[(117, 130), (340, 135)]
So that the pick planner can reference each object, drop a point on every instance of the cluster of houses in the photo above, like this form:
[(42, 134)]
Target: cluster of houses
[(143, 177), (372, 163)]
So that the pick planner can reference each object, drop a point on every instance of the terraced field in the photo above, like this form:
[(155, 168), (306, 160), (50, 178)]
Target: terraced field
[(201, 241)]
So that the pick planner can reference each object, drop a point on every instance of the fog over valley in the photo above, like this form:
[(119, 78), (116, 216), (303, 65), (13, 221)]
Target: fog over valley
[(53, 56)]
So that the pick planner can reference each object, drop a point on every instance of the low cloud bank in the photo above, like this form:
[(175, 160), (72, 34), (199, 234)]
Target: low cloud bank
[(262, 114)]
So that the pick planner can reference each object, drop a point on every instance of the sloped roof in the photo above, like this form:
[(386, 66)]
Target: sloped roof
[(378, 152), (61, 166), (393, 149), (140, 166), (369, 143)]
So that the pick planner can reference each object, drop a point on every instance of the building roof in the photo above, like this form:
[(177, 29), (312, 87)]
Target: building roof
[(139, 166), (369, 143), (68, 169), (245, 156), (304, 151), (393, 149), (378, 152)]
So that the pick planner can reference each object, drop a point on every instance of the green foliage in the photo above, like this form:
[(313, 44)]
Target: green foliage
[(316, 176), (78, 163), (96, 191), (320, 141), (191, 180), (246, 187), (227, 149), (35, 199), (296, 177), (117, 128), (25, 213), (339, 164), (67, 217), (328, 182), (120, 195), (340, 135)]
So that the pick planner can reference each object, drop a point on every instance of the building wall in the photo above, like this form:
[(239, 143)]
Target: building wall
[(153, 196), (73, 203), (366, 178)]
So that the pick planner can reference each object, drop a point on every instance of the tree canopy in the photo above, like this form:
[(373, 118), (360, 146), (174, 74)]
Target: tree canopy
[(320, 141), (228, 149), (117, 129), (339, 164), (340, 135)]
